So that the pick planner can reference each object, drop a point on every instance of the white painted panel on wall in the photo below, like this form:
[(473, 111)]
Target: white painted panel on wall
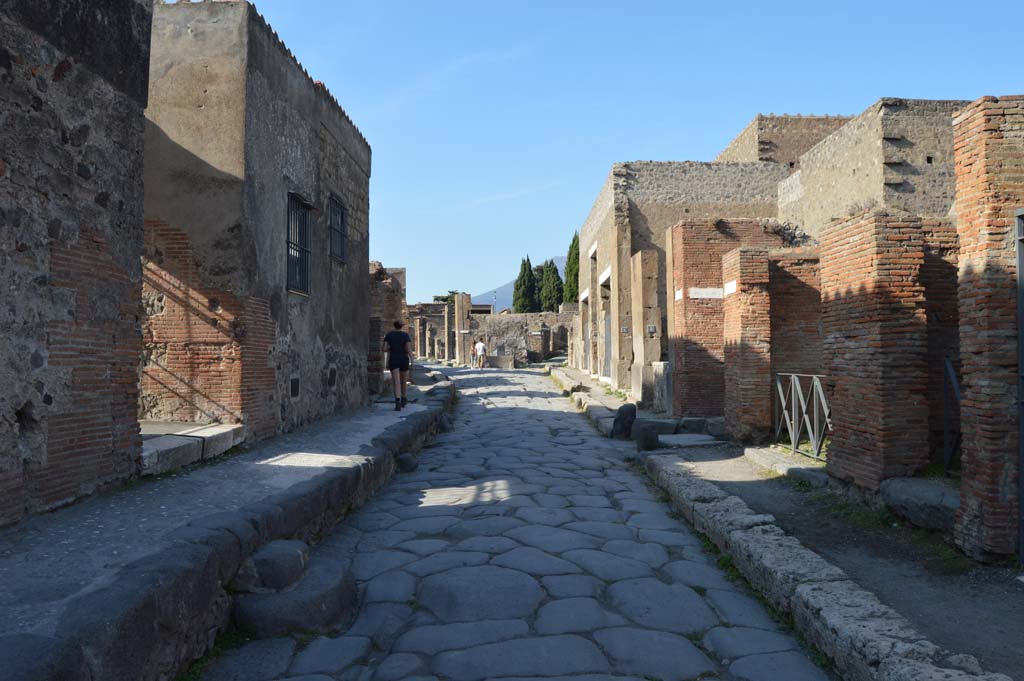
[(699, 293), (730, 287), (679, 294)]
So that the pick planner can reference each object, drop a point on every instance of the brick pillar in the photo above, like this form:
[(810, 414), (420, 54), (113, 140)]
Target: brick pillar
[(375, 361), (747, 334), (989, 149), (875, 346)]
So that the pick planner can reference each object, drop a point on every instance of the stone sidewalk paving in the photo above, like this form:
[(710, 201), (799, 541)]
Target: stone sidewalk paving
[(50, 562), (525, 547)]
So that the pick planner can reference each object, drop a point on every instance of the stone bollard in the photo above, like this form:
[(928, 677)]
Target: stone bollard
[(622, 427)]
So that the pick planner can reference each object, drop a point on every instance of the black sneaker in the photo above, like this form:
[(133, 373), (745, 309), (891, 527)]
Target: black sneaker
[(404, 402), (398, 405)]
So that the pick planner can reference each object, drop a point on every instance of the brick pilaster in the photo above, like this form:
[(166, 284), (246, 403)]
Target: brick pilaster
[(747, 344)]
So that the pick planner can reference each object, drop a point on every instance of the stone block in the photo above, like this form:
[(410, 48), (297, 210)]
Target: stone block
[(923, 502)]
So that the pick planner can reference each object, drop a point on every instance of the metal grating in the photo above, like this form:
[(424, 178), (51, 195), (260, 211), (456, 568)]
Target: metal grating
[(339, 229), (299, 227)]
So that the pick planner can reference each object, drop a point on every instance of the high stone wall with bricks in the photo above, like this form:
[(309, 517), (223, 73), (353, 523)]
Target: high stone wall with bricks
[(72, 92), (696, 339), (387, 306), (875, 346), (780, 139), (220, 171), (795, 292), (989, 192), (897, 154)]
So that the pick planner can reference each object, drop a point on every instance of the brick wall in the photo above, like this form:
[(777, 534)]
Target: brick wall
[(207, 354), (71, 129), (747, 337), (795, 290), (989, 188), (875, 346), (698, 378)]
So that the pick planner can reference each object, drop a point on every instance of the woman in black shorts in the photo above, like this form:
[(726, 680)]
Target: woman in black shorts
[(398, 346)]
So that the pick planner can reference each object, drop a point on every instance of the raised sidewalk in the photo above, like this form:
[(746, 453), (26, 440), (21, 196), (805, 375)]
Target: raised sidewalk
[(131, 585)]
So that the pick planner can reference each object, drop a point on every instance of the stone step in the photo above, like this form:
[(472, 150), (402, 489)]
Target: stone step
[(275, 567), (324, 599)]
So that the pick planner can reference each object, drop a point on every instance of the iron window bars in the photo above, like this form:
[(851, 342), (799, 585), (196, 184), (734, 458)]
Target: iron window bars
[(299, 227), (338, 217)]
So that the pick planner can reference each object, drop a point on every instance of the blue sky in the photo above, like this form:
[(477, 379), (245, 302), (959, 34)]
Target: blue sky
[(493, 124)]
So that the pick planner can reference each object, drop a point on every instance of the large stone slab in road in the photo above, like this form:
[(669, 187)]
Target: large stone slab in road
[(480, 593), (549, 655)]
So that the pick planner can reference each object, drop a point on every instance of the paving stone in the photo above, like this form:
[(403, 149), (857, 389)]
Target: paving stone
[(436, 638), (256, 661), (604, 515), (330, 655), (791, 666), (382, 539), (655, 654), (650, 521), (590, 500), (634, 505), (381, 622), (654, 555), (309, 677), (423, 547), (550, 500), (601, 529), (545, 516), (483, 592), (408, 512), (487, 544), (740, 610), (550, 655), (369, 565), (535, 562), (395, 586), (446, 561), (571, 615), (608, 567), (699, 574), (553, 539), (654, 604), (670, 538), (432, 525), (733, 642), (399, 666), (571, 586), (493, 526), (370, 522)]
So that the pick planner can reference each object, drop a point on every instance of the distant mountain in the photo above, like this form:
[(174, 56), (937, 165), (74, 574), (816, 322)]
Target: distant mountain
[(501, 297)]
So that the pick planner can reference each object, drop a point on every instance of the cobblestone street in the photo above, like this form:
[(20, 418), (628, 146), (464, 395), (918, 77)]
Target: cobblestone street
[(524, 546)]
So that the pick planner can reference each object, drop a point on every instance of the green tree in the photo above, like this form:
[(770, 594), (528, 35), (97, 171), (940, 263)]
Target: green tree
[(538, 277), (524, 293), (449, 298), (550, 287), (571, 289)]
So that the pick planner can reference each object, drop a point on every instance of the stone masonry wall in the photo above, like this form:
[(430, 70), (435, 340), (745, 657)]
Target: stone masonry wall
[(875, 346), (989, 192), (72, 91), (896, 154), (747, 339), (387, 306), (526, 337), (697, 338), (781, 139)]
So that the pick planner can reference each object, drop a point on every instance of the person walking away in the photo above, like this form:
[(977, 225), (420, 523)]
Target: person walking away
[(398, 346), (481, 353)]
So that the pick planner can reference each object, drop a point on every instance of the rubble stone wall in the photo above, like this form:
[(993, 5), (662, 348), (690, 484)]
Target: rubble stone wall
[(989, 194), (782, 139), (71, 132)]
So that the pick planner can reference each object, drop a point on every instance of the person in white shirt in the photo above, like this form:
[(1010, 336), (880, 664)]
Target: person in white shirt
[(480, 350)]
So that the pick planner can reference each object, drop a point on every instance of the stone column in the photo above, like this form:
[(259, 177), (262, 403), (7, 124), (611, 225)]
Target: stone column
[(747, 335), (989, 148), (875, 346)]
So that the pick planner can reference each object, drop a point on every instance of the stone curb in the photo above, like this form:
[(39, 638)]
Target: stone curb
[(782, 464), (865, 639), (599, 414), (165, 610)]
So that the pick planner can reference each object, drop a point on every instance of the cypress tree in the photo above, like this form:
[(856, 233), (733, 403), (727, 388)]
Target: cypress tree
[(571, 289), (551, 290), (538, 278), (524, 293)]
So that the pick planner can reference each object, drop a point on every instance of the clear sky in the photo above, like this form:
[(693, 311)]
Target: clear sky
[(493, 124)]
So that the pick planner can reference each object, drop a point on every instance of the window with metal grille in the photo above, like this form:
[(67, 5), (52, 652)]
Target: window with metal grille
[(339, 229), (299, 227)]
